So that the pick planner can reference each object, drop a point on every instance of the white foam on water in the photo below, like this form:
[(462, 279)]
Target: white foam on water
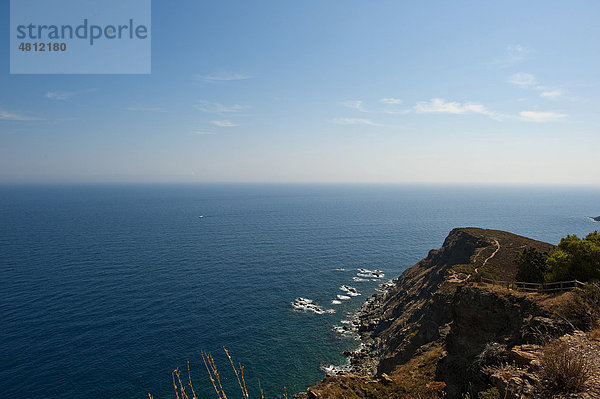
[(333, 370), (366, 273), (343, 297), (336, 302), (350, 290), (309, 305)]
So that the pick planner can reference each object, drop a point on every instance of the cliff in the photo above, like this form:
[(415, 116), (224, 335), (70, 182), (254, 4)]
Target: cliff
[(439, 330)]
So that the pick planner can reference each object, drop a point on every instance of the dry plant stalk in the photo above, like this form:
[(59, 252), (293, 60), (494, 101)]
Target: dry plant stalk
[(213, 374), (242, 381), (190, 381), (262, 395), (562, 369)]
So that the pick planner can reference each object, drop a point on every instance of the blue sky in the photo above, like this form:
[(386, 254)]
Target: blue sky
[(324, 91)]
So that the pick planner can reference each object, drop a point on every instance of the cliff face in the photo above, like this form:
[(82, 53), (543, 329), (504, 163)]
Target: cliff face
[(435, 323)]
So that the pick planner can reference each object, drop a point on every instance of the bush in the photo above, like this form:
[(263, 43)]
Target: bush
[(492, 355), (575, 259), (561, 369), (586, 305), (532, 265)]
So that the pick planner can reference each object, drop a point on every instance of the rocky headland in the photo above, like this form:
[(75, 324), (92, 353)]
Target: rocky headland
[(453, 325)]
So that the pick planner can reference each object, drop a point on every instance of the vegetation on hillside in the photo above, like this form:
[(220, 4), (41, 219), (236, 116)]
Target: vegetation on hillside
[(573, 259), (532, 265)]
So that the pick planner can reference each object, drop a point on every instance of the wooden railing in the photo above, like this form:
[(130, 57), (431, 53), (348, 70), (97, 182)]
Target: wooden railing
[(536, 287)]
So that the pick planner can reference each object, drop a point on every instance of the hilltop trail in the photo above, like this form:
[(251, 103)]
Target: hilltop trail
[(491, 256), (494, 254)]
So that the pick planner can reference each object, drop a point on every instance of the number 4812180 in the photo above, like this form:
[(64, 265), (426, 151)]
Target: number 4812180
[(43, 47)]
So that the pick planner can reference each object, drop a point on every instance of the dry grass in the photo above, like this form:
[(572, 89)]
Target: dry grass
[(561, 369), (594, 334), (185, 390)]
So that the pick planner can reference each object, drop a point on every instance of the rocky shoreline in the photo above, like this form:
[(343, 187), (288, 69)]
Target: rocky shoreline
[(433, 325), (363, 360)]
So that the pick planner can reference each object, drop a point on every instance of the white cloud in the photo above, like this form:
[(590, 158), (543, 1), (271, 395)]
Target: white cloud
[(206, 106), (353, 121), (355, 104), (543, 116), (439, 105), (391, 101), (224, 123), (221, 77), (552, 94), (528, 81), (11, 116), (523, 79), (60, 95)]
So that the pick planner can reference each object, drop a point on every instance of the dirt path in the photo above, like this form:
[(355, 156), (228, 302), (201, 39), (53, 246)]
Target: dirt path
[(455, 278), (489, 257), (492, 255)]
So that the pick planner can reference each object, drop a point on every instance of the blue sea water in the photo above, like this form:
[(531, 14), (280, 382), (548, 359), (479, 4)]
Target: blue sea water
[(104, 289)]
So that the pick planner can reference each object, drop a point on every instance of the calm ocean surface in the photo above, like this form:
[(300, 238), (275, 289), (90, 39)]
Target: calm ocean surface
[(104, 289)]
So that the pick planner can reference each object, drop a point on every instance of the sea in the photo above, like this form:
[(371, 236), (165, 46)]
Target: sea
[(105, 289)]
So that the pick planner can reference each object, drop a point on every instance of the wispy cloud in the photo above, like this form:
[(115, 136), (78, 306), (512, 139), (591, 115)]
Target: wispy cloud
[(391, 101), (143, 108), (210, 107), (529, 81), (353, 121), (60, 95), (523, 79), (355, 104), (552, 94), (223, 123), (390, 108), (13, 116), (543, 116), (439, 105), (513, 55), (222, 77)]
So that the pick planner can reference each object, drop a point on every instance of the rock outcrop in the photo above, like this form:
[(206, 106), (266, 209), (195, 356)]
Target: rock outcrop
[(440, 323)]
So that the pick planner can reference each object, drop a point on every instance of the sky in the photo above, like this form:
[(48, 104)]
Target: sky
[(324, 91)]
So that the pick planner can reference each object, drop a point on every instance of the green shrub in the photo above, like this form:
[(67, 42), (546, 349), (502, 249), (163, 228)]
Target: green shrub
[(575, 259), (532, 265)]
